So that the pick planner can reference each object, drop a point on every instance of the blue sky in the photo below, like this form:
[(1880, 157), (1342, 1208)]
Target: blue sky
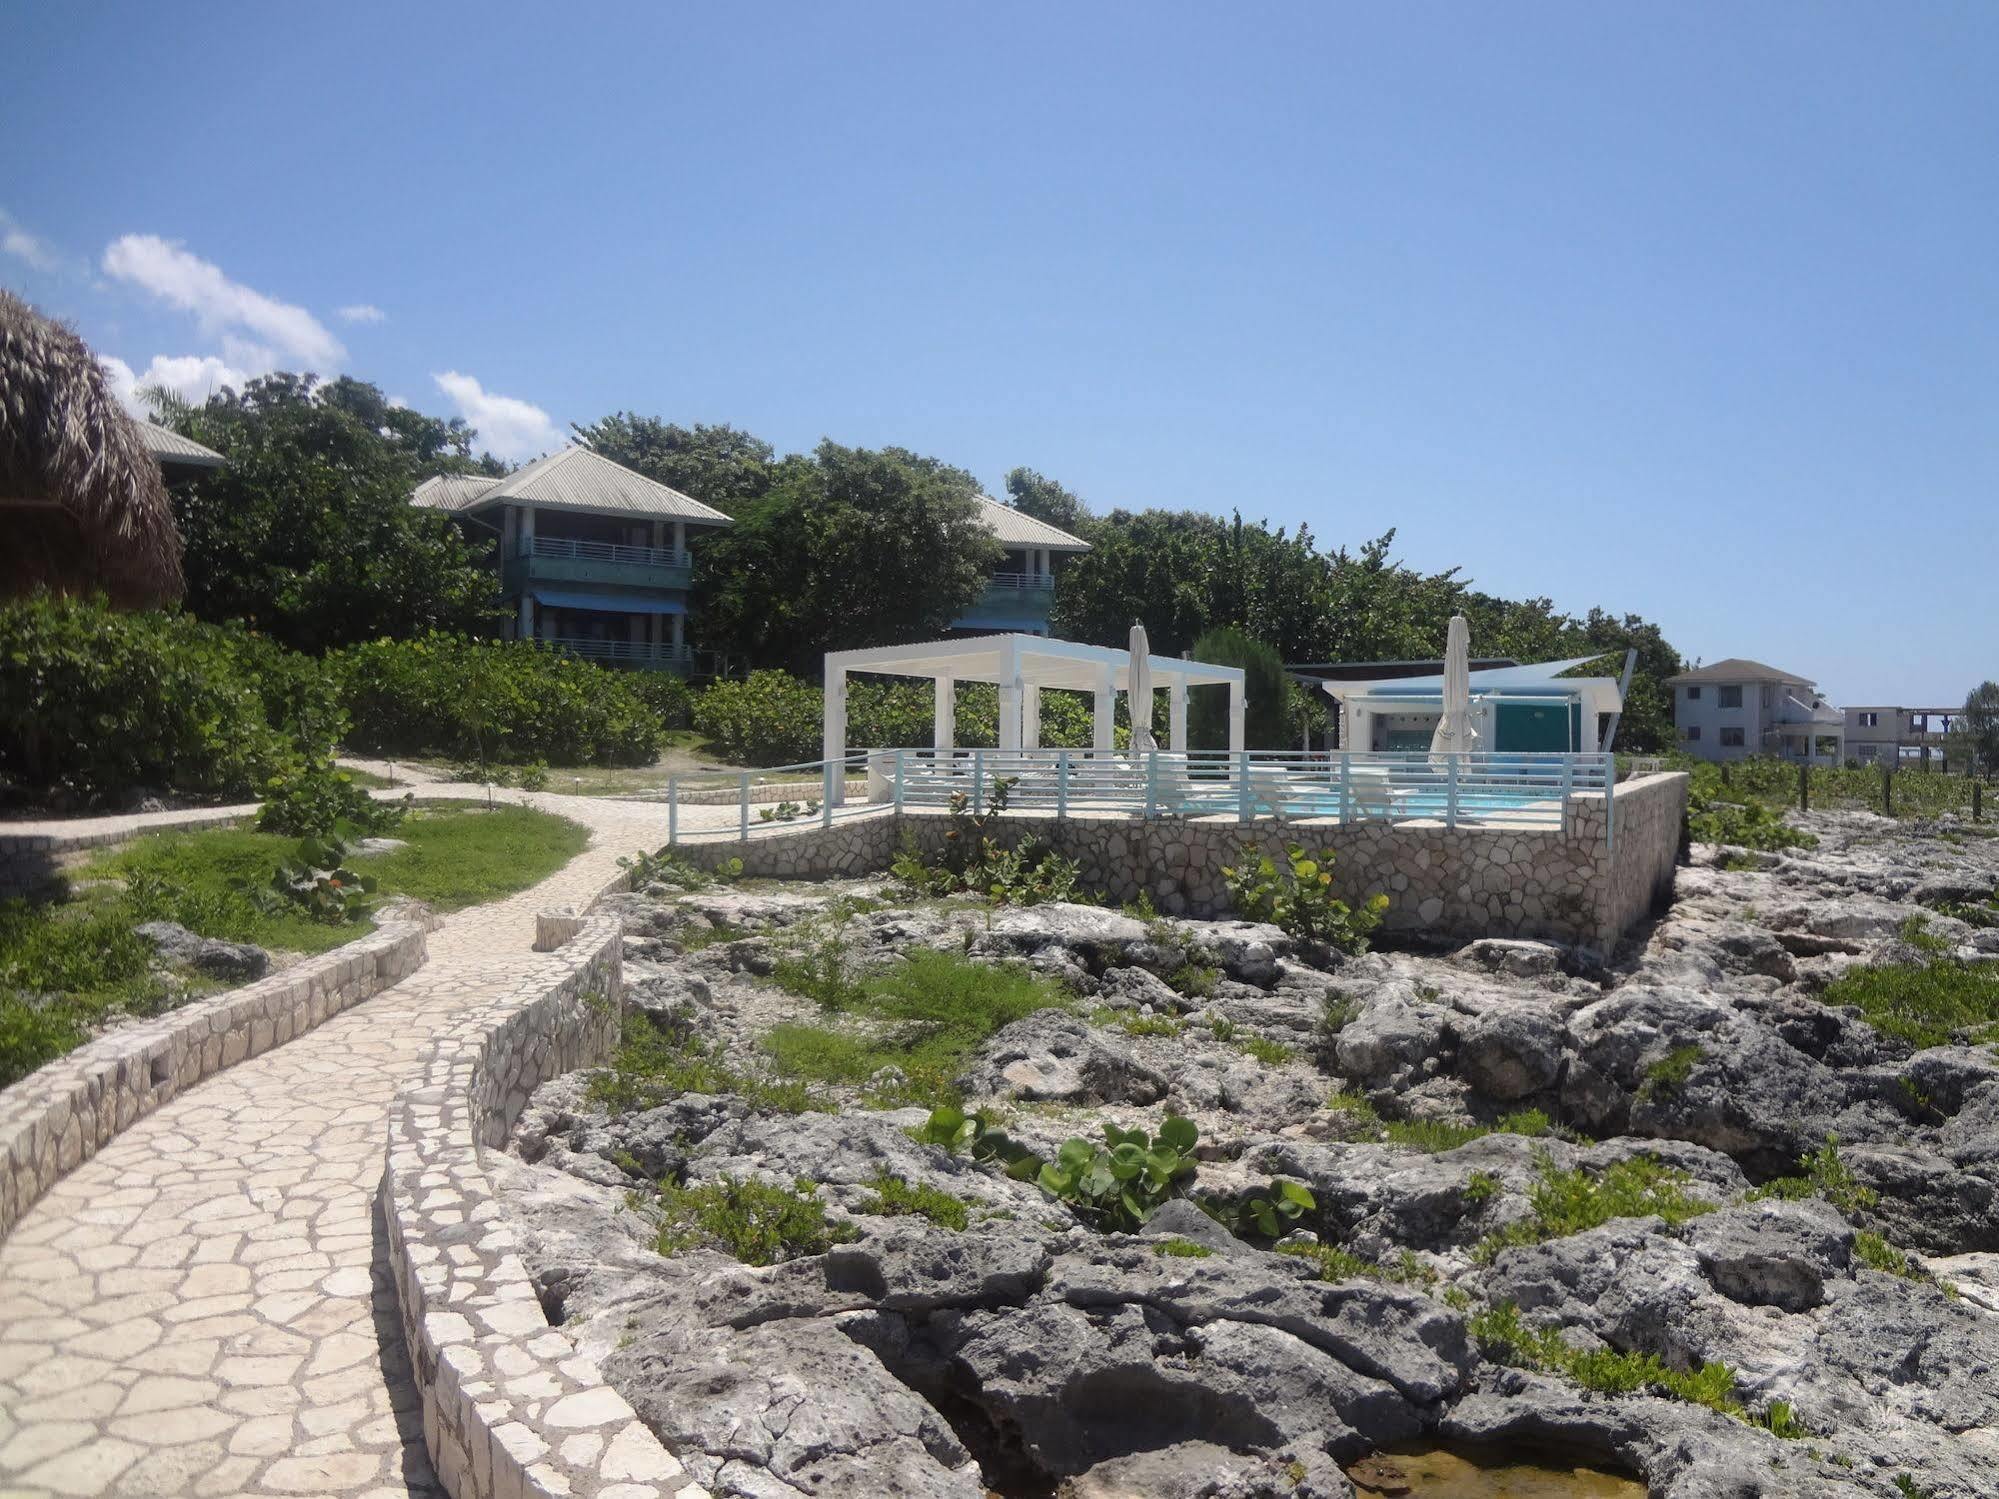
[(1686, 310)]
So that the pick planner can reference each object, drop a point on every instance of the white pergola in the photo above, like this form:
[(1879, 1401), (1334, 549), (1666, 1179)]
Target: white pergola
[(1021, 666)]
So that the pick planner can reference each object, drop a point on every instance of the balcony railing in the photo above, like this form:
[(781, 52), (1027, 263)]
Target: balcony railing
[(663, 656), (603, 551), (1036, 581)]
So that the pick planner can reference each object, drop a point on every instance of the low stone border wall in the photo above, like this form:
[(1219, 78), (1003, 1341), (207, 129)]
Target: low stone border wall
[(62, 1114), (30, 851), (509, 1406), (1580, 886)]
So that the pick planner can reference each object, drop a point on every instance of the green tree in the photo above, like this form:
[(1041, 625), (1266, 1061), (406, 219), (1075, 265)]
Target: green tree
[(1974, 734), (1267, 701), (850, 548), (721, 465), (1041, 497), (307, 532)]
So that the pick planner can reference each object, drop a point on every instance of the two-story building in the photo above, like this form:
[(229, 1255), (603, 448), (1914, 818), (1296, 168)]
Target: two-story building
[(1738, 708), (1021, 592), (1891, 735), (594, 558)]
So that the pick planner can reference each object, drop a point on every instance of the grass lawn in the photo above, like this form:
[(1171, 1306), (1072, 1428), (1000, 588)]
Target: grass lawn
[(686, 755), (67, 966)]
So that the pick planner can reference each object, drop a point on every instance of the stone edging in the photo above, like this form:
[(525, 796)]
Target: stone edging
[(29, 850), (60, 1115), (510, 1409)]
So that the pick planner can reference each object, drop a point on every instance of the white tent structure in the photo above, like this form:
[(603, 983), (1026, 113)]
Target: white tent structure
[(1416, 704), (1022, 666)]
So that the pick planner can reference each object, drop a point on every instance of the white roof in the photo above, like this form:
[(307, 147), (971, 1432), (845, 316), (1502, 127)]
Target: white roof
[(168, 446), (573, 479), (1016, 528), (1036, 660), (1512, 681)]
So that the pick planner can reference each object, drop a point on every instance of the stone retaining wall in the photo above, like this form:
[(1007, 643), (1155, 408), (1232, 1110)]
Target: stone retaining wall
[(509, 1406), (32, 852), (1577, 885), (61, 1114)]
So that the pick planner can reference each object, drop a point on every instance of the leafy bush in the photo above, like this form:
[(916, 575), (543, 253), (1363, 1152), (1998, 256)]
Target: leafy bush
[(667, 695), (507, 701), (758, 1223), (31, 1035), (1297, 895), (1266, 695), (1268, 1211), (768, 718), (1118, 1185), (951, 1129), (100, 703), (315, 798), (317, 880), (1027, 874)]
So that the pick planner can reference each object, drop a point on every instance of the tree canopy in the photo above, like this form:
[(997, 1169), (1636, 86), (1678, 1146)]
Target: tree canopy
[(1975, 734), (1041, 497), (307, 532)]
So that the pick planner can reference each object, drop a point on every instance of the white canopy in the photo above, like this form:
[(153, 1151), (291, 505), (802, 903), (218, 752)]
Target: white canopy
[(1021, 666)]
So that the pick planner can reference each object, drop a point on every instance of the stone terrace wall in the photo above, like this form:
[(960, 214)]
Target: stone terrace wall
[(31, 852), (509, 1407), (62, 1114), (1448, 882)]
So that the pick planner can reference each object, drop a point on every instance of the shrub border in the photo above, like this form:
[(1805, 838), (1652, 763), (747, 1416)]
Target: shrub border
[(62, 1114), (510, 1408)]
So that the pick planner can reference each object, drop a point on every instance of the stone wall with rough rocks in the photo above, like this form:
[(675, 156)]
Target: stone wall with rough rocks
[(1573, 886), (31, 853), (62, 1114), (509, 1407)]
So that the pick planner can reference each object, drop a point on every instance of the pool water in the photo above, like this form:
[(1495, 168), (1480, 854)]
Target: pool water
[(1463, 1473)]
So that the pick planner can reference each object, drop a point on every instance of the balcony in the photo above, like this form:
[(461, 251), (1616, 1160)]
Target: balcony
[(562, 559), (638, 654), (1012, 601)]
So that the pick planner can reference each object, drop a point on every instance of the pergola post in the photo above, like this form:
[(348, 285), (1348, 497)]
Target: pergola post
[(944, 723), (1103, 729), (1009, 698), (1176, 716), (1237, 723), (833, 735), (1030, 717)]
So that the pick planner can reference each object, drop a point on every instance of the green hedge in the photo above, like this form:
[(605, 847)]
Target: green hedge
[(512, 700), (100, 703)]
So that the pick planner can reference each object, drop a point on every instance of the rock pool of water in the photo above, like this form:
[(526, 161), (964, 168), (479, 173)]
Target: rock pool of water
[(1454, 1473)]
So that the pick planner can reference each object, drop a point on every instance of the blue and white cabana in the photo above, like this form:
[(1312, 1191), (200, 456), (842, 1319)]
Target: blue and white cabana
[(1514, 709), (1022, 667)]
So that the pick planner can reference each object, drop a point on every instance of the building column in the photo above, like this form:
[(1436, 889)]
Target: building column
[(1030, 717), (679, 630), (1237, 720), (944, 718), (680, 536), (833, 734), (527, 528), (1103, 728), (524, 628), (507, 527), (1176, 716)]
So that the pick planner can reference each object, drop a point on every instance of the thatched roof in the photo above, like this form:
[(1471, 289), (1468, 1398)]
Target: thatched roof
[(82, 505)]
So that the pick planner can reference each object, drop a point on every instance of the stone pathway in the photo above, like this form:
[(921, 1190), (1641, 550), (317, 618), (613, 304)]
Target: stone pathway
[(201, 1308)]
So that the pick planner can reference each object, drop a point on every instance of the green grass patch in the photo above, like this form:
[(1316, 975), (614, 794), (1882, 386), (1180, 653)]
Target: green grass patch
[(1181, 1249), (1929, 1005), (1270, 1053), (895, 1198), (658, 1061), (1669, 1073), (1434, 1135), (1335, 1263), (1824, 1175), (1573, 1202), (1134, 1024), (758, 1223), (1504, 1337)]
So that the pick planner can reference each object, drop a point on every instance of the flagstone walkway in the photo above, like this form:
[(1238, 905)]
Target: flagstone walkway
[(202, 1308)]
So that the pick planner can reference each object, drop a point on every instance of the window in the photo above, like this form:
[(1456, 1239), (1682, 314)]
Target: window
[(1693, 694), (1870, 720), (1728, 697), (1731, 739), (1693, 732)]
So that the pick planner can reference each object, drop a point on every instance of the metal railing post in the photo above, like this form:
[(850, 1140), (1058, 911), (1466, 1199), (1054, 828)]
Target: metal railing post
[(672, 810), (1451, 790), (1568, 791), (898, 782), (743, 806), (1245, 804), (1151, 782), (1061, 784), (1346, 787), (827, 771), (978, 779), (1610, 814)]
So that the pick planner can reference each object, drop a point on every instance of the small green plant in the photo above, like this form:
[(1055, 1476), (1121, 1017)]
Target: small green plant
[(1118, 1185), (1575, 1201), (1340, 1012), (316, 800), (1193, 981), (1356, 1107), (1480, 1187), (951, 1129), (1876, 1253), (665, 867), (1270, 1053), (1825, 1175), (1932, 1004), (1181, 1249), (758, 1223), (895, 1198), (1335, 1263), (1132, 1023), (1781, 1420), (1908, 1488), (1504, 1336), (1669, 1073), (661, 1057), (1269, 1211), (1296, 895), (318, 882), (973, 860), (1221, 1028)]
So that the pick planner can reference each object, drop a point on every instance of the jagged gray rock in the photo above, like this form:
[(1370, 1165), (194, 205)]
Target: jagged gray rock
[(232, 962)]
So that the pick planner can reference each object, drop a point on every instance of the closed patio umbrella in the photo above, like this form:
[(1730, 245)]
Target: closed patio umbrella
[(1454, 731), (1138, 691)]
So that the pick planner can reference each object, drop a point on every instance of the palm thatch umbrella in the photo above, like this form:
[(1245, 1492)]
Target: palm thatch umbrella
[(82, 506)]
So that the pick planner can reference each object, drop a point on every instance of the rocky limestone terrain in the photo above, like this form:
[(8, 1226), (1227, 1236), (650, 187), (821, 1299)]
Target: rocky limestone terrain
[(1460, 1118)]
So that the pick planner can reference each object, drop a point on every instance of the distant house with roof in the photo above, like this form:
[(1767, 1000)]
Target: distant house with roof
[(180, 458), (1515, 709), (594, 559), (1737, 708), (1020, 595)]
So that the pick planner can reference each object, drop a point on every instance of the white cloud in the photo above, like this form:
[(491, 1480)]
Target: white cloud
[(193, 377), (363, 312), (250, 324), (22, 245), (510, 427)]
